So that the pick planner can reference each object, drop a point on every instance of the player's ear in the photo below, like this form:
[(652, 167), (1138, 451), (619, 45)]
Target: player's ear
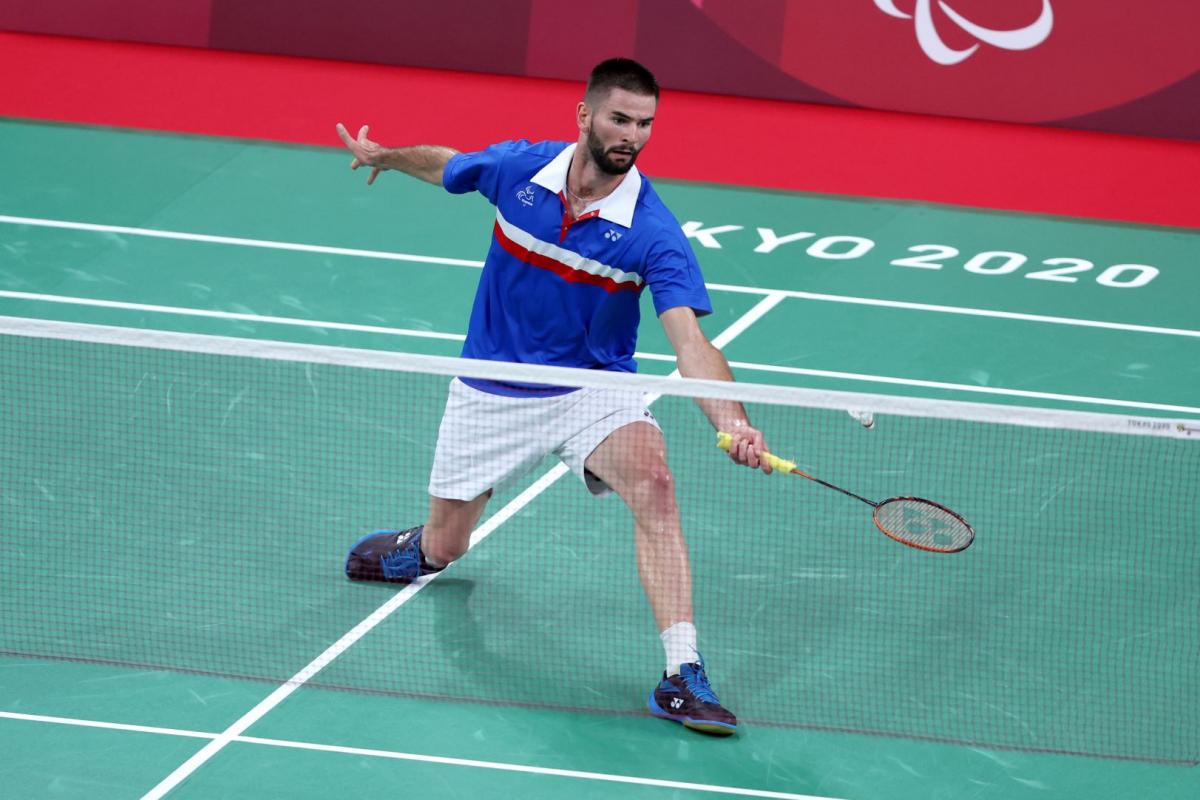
[(583, 115)]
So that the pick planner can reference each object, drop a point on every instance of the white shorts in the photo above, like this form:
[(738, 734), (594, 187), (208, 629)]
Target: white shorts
[(488, 440)]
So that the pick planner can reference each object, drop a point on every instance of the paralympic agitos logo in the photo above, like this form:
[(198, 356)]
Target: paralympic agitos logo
[(1024, 38), (1015, 60)]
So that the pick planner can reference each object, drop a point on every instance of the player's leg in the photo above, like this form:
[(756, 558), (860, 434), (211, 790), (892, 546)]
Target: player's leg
[(448, 529), (632, 461), (495, 437)]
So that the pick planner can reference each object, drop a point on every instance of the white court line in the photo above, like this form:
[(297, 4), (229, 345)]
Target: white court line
[(964, 311), (746, 320), (232, 315), (237, 241), (111, 726), (428, 759), (562, 773), (282, 692), (774, 297), (720, 287)]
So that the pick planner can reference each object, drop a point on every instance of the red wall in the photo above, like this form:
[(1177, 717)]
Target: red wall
[(1108, 65)]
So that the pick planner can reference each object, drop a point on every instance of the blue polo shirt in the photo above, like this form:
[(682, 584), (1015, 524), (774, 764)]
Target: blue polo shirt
[(561, 291)]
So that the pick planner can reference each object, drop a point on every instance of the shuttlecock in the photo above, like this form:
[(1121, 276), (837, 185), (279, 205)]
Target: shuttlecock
[(866, 418)]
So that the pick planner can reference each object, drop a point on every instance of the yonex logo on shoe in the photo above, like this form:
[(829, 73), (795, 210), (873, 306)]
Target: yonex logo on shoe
[(677, 703)]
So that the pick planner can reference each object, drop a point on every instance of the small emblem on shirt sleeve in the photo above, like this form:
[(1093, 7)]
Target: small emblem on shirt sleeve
[(612, 235), (526, 195)]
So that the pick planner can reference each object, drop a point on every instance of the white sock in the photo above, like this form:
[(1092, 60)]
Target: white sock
[(679, 642), (433, 562)]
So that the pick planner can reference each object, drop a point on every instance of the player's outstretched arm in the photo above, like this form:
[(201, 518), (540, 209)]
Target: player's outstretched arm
[(424, 161), (697, 358)]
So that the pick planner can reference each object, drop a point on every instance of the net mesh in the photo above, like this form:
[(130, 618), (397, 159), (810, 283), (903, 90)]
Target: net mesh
[(192, 511)]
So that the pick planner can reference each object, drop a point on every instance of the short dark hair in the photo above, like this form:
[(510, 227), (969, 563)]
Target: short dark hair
[(621, 73)]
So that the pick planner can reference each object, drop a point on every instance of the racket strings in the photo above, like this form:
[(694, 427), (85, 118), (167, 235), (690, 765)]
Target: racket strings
[(923, 524)]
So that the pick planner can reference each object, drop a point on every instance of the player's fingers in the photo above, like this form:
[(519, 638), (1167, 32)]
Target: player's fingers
[(765, 464), (355, 164), (752, 457), (362, 134), (344, 134), (751, 452), (761, 448), (746, 454), (373, 176)]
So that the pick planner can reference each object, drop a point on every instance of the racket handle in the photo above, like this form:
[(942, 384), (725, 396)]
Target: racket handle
[(725, 441)]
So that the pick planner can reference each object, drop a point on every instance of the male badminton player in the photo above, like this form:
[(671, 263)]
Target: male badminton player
[(579, 233)]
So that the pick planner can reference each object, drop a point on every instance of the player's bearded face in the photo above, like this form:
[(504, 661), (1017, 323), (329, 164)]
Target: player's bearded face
[(618, 129), (614, 159)]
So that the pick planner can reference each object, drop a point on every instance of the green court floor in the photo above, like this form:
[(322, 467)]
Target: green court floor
[(261, 241)]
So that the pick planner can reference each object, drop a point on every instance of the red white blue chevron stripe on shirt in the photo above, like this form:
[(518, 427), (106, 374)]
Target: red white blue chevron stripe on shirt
[(566, 264)]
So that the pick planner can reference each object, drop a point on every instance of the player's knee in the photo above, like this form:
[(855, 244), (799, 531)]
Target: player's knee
[(656, 487)]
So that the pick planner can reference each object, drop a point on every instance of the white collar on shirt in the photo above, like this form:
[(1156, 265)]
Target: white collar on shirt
[(617, 206)]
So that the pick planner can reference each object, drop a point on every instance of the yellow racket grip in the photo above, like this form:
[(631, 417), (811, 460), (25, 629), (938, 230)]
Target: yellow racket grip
[(725, 441)]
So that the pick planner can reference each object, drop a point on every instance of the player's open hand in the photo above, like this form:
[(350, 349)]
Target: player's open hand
[(747, 447), (366, 152)]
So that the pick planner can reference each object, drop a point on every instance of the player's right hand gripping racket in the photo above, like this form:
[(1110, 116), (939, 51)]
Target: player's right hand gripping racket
[(913, 521)]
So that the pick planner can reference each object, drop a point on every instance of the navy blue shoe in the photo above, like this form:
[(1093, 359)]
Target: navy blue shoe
[(688, 698), (392, 556)]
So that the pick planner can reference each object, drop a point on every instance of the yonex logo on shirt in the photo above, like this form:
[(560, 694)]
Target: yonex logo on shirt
[(612, 235)]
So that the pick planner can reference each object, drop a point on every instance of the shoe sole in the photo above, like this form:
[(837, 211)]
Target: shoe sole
[(702, 725)]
